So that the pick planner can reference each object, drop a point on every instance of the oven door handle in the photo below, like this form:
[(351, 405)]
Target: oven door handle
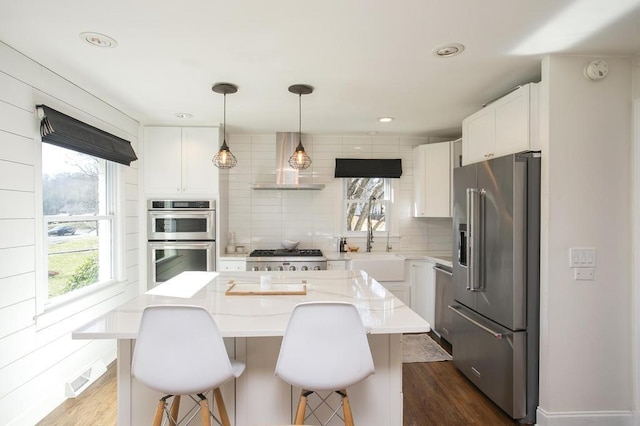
[(181, 215), (182, 245)]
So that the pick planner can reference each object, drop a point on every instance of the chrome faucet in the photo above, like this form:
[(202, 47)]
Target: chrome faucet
[(369, 227)]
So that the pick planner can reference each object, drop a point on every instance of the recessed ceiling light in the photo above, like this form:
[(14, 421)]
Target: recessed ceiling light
[(448, 50), (385, 119), (372, 133), (184, 115), (98, 40)]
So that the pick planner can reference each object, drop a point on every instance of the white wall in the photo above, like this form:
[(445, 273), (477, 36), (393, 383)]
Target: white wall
[(585, 365), (636, 237), (261, 219), (37, 354)]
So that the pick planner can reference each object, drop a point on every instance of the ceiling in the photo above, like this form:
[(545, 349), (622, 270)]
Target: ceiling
[(366, 59)]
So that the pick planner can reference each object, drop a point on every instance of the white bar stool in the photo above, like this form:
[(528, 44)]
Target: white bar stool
[(324, 349), (179, 351)]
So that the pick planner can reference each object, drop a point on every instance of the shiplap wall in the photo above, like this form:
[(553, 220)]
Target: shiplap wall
[(37, 354), (262, 219)]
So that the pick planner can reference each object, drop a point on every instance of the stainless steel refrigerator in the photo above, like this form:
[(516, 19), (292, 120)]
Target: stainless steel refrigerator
[(496, 270)]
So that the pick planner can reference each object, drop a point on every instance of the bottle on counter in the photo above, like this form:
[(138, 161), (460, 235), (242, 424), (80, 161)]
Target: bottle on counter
[(343, 245)]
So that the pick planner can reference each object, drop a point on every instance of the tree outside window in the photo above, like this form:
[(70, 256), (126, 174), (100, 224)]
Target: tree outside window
[(77, 202), (367, 198)]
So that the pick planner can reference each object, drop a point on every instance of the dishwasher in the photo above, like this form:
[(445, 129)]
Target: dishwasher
[(444, 298)]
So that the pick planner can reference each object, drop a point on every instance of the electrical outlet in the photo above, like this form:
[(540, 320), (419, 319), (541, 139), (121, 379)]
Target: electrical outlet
[(583, 274)]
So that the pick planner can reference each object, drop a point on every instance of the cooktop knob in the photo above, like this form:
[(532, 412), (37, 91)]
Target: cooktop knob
[(305, 268), (292, 268), (254, 268), (268, 268), (316, 268), (280, 268)]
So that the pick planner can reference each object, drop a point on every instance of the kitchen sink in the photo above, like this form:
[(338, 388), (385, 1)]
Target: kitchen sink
[(381, 266)]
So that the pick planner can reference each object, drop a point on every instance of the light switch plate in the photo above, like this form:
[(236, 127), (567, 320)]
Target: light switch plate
[(582, 257)]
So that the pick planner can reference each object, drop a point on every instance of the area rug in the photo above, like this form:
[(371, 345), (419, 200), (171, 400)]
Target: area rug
[(422, 348)]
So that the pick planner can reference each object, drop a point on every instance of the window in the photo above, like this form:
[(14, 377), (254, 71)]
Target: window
[(78, 200), (367, 198)]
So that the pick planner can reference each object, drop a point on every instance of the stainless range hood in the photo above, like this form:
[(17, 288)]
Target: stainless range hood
[(286, 176)]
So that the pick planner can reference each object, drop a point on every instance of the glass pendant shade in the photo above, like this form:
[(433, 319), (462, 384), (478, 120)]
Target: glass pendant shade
[(224, 159), (300, 160)]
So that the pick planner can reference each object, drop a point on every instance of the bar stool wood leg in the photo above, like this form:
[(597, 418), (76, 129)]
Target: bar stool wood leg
[(204, 412), (302, 408), (157, 418), (222, 410), (175, 408), (346, 409)]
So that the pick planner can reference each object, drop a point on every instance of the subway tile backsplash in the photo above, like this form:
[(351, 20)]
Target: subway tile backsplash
[(263, 218)]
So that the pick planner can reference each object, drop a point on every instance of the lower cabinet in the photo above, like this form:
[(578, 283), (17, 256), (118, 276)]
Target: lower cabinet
[(401, 290), (336, 265), (232, 265), (423, 289)]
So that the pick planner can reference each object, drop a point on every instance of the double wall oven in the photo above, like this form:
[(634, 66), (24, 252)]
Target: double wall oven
[(181, 237)]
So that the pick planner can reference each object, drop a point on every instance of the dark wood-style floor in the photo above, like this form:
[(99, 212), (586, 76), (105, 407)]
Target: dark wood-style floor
[(435, 393)]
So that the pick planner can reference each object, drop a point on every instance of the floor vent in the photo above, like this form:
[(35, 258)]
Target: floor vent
[(75, 386)]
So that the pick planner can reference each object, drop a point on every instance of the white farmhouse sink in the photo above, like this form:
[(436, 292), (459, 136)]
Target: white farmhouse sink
[(380, 266)]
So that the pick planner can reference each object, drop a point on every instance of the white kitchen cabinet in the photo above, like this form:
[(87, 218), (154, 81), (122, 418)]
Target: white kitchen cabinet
[(502, 127), (401, 290), (232, 265), (423, 289), (432, 179), (177, 160), (336, 265), (478, 136)]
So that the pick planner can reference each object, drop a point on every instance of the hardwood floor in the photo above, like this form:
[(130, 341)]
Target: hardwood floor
[(96, 406), (435, 393)]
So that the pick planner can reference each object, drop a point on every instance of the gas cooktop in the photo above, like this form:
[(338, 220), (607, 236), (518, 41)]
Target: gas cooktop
[(286, 260), (286, 253)]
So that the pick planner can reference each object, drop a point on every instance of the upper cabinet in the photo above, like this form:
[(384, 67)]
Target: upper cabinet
[(432, 177), (177, 160), (502, 127)]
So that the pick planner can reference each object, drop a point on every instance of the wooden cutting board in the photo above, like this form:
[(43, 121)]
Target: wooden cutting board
[(276, 289)]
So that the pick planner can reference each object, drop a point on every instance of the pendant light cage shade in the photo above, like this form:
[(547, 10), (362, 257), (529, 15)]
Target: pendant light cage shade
[(224, 159), (300, 160)]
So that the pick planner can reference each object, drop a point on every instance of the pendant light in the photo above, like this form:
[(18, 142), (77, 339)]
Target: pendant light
[(224, 159), (300, 159)]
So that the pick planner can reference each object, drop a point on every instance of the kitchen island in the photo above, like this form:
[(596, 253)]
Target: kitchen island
[(253, 326)]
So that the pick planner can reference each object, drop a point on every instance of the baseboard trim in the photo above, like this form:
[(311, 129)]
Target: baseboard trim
[(585, 418)]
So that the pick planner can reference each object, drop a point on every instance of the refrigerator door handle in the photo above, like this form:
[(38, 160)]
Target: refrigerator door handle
[(473, 239), (496, 334)]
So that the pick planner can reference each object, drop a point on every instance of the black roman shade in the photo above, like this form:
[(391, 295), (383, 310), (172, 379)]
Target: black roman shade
[(61, 130), (355, 167)]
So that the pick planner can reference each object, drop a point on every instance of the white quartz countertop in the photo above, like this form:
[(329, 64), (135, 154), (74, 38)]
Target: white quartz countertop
[(255, 316), (437, 257), (331, 255)]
